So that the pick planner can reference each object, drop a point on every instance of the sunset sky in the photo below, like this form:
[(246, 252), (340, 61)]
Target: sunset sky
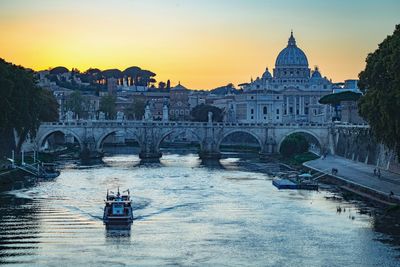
[(203, 44)]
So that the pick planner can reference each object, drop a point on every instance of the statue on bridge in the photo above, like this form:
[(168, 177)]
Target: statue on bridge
[(165, 113), (147, 113), (210, 117), (120, 116), (230, 116), (102, 116), (69, 115)]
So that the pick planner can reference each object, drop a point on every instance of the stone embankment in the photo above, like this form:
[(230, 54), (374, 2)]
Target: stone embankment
[(359, 178)]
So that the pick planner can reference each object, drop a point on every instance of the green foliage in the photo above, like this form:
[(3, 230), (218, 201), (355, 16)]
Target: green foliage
[(335, 99), (200, 113), (380, 81), (136, 109), (294, 144), (107, 105), (307, 156), (23, 105)]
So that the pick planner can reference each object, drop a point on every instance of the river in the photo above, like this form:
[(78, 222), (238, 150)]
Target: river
[(186, 214)]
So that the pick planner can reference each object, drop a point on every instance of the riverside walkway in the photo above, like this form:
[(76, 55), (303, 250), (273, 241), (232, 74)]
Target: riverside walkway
[(359, 174)]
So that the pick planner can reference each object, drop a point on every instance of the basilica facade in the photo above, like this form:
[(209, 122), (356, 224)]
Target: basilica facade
[(288, 95)]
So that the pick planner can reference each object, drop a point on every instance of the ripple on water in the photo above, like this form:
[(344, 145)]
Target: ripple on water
[(185, 213)]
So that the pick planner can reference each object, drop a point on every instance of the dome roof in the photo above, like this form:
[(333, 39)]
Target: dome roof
[(179, 87), (316, 74), (291, 55), (267, 75)]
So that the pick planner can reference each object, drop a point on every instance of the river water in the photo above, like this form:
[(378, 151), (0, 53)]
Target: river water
[(186, 214)]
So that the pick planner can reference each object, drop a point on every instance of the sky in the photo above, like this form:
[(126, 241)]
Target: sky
[(201, 43)]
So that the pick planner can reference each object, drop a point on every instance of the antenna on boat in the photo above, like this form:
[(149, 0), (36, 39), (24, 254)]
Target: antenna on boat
[(118, 190), (107, 193)]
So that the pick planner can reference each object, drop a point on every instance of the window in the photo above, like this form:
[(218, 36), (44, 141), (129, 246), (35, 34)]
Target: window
[(277, 117), (306, 111), (277, 111), (297, 112), (264, 110), (241, 111), (252, 117), (291, 110), (277, 97), (251, 111)]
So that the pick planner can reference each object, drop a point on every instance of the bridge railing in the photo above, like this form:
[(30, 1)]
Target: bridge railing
[(125, 123)]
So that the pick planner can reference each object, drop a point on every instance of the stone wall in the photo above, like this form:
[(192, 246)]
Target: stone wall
[(359, 144)]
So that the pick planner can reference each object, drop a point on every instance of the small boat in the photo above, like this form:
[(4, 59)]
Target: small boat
[(118, 209), (299, 183)]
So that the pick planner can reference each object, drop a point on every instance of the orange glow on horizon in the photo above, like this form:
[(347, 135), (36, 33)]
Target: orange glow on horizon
[(182, 40)]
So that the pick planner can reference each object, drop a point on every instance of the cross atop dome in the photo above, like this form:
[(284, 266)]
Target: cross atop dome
[(292, 41)]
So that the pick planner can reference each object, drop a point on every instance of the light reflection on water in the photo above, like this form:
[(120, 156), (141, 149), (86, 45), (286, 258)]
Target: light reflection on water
[(187, 212)]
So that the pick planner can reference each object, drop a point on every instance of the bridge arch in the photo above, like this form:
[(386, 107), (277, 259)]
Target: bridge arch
[(255, 136), (307, 133), (178, 132), (42, 138), (103, 137)]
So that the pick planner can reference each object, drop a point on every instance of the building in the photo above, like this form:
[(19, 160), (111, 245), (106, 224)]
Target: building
[(179, 109), (112, 84), (291, 94)]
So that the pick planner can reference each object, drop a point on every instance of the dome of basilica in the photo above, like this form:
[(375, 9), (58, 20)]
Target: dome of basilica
[(266, 75), (316, 74), (291, 56)]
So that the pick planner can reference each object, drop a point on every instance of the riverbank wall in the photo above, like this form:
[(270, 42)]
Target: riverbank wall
[(359, 144), (368, 193)]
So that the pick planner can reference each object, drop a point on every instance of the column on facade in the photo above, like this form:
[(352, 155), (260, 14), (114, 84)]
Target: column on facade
[(302, 105), (295, 106), (287, 105)]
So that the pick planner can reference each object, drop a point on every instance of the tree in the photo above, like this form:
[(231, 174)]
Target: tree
[(112, 73), (380, 81), (200, 113), (23, 105), (59, 70), (335, 99), (136, 109), (76, 103), (294, 144), (161, 85), (108, 106), (168, 85)]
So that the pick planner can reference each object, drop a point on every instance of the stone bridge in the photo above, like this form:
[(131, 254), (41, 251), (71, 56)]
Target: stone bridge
[(91, 134)]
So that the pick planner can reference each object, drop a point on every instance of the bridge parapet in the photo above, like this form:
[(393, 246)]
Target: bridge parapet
[(115, 123)]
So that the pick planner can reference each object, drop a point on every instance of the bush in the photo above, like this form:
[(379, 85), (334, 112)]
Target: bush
[(294, 144)]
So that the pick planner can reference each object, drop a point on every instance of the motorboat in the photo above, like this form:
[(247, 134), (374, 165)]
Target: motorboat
[(118, 209)]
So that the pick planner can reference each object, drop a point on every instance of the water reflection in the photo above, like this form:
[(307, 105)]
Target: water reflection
[(188, 212)]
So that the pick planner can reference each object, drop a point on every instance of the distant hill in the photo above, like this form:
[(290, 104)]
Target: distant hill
[(224, 90)]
